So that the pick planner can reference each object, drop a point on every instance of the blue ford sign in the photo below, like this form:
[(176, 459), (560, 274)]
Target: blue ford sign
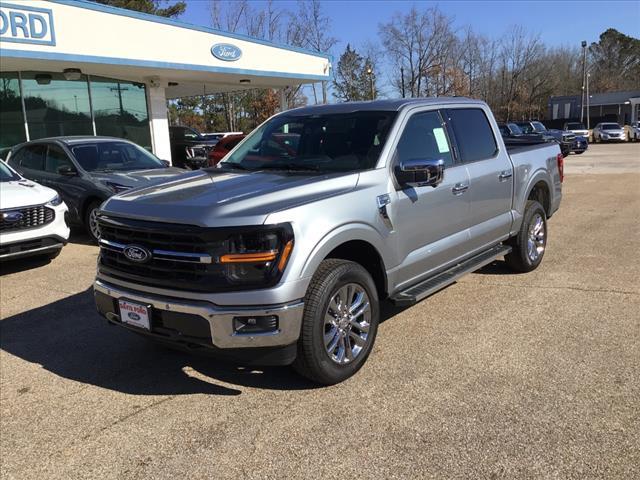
[(226, 52), (25, 24)]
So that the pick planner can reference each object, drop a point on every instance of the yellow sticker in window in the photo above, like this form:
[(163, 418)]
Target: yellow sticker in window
[(441, 139)]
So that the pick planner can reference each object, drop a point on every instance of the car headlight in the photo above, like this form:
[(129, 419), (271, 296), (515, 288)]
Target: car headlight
[(55, 201), (116, 187), (257, 257)]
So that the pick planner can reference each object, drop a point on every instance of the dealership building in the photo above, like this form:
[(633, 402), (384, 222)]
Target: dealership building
[(74, 67)]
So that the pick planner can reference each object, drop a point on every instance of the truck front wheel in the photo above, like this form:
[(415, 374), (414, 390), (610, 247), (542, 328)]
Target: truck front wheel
[(530, 243), (340, 322)]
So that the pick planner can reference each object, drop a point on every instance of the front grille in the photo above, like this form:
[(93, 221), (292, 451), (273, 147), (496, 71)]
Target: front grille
[(569, 138), (23, 218), (183, 256)]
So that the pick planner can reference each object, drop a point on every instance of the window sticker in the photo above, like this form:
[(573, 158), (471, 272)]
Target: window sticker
[(441, 139)]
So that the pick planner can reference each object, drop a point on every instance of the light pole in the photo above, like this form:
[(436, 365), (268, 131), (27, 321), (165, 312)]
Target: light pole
[(588, 75), (584, 78), (370, 73)]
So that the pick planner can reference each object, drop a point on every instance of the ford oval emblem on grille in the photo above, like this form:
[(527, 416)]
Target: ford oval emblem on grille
[(12, 217), (137, 254)]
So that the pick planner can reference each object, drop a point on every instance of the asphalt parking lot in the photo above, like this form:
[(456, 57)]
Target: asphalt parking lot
[(497, 376)]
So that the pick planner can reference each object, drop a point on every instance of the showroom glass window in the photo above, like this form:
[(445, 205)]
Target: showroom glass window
[(56, 106), (11, 119), (120, 110)]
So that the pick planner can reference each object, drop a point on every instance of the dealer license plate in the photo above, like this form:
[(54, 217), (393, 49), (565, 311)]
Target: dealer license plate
[(134, 314)]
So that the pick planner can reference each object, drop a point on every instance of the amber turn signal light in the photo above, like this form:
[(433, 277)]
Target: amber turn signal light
[(286, 252), (260, 257)]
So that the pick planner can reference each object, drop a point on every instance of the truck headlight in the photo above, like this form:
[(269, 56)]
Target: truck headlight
[(55, 201), (257, 257)]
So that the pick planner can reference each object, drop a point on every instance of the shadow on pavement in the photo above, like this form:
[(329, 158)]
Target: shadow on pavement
[(69, 339), (499, 267), (21, 264)]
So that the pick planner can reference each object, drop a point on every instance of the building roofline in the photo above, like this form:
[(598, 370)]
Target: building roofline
[(189, 26)]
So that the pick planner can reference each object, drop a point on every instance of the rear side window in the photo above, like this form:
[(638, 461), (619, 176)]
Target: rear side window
[(424, 138), (32, 157), (473, 134)]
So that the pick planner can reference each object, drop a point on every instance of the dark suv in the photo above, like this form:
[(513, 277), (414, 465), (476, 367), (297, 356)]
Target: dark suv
[(85, 171)]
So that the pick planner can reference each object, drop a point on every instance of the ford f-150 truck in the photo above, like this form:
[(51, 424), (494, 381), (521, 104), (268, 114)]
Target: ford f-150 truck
[(283, 253)]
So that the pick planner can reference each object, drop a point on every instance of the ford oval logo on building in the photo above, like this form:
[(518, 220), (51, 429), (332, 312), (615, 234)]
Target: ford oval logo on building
[(12, 217), (226, 52), (137, 254)]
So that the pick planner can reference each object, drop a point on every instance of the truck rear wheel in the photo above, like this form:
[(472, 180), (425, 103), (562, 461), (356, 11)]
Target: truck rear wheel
[(530, 243), (340, 322)]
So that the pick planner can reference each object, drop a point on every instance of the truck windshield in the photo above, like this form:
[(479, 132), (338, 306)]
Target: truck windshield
[(538, 127), (575, 126), (330, 142)]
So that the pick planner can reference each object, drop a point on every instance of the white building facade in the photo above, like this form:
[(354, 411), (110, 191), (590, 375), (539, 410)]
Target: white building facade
[(74, 67)]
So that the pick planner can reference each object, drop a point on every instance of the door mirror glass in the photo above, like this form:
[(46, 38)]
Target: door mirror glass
[(420, 172), (67, 171)]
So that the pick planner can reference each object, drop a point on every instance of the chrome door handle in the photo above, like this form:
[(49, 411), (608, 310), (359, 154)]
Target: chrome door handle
[(505, 174), (459, 188)]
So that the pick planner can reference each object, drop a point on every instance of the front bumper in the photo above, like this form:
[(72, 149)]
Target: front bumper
[(202, 323)]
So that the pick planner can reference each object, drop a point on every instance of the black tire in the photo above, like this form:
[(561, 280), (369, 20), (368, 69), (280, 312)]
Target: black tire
[(312, 360), (579, 153), (95, 205), (520, 259)]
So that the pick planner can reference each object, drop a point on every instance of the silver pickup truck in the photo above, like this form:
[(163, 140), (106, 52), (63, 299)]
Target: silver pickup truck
[(282, 254)]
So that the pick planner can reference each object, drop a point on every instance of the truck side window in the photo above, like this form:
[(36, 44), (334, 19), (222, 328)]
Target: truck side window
[(473, 134), (424, 138)]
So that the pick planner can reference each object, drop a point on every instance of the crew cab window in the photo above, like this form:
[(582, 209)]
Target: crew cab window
[(32, 157), (424, 138), (56, 158), (473, 133)]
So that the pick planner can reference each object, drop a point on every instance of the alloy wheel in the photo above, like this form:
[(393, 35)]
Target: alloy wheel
[(536, 240), (346, 323)]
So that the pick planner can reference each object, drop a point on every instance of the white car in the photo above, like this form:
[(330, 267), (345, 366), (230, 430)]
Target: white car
[(31, 217), (608, 132)]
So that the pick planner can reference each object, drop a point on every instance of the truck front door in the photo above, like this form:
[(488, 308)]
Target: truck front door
[(430, 224)]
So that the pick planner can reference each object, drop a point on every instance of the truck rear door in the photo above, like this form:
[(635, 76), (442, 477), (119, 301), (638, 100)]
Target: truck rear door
[(490, 175)]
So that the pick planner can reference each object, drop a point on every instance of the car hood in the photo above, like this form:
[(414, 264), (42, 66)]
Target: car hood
[(137, 178), (23, 193), (221, 198)]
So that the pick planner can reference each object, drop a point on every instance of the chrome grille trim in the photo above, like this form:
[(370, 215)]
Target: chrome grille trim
[(167, 255)]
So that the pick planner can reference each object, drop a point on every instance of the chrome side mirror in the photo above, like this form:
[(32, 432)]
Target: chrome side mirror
[(420, 173)]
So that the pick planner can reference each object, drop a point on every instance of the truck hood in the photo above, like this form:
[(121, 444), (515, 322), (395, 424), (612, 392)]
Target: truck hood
[(137, 178), (23, 193), (211, 198)]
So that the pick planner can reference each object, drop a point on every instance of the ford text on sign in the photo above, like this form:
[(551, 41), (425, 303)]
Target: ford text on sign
[(24, 24), (226, 52)]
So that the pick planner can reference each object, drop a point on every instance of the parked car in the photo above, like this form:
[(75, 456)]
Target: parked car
[(633, 133), (577, 128), (224, 146), (31, 218), (565, 139), (189, 148), (608, 132), (85, 171), (282, 255)]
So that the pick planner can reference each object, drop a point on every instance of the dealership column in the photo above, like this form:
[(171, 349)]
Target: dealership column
[(159, 122)]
